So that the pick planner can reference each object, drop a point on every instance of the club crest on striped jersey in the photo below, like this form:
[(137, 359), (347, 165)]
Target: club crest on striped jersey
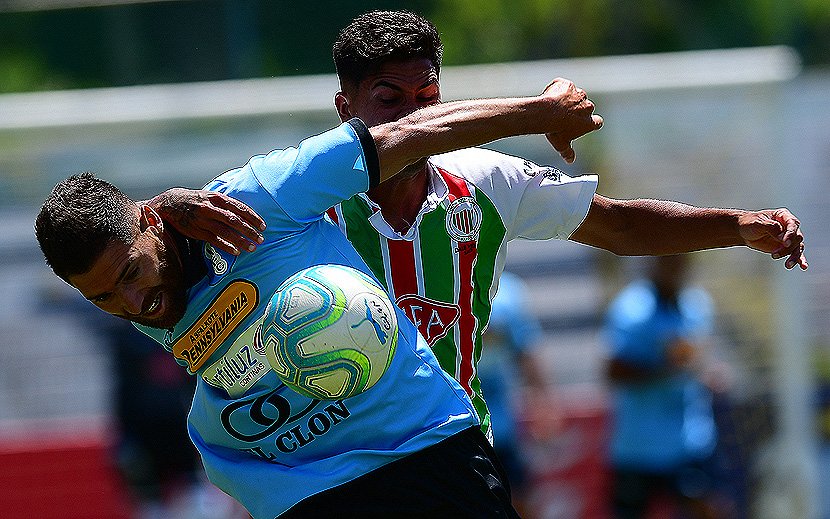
[(432, 318), (463, 219)]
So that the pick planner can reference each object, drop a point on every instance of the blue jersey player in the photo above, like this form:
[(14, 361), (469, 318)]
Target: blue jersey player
[(409, 446)]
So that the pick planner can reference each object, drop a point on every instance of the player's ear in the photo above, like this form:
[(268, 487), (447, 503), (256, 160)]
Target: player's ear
[(150, 218), (341, 102)]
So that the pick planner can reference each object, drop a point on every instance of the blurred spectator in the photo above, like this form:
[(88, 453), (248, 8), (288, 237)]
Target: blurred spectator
[(517, 391), (663, 433), (154, 454)]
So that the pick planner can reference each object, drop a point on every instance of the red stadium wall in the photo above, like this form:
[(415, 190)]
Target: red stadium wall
[(66, 478), (569, 473)]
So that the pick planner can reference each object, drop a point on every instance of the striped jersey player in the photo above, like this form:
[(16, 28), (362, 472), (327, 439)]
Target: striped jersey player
[(444, 270)]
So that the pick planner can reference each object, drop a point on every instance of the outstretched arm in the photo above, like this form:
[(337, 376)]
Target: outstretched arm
[(218, 219), (658, 227), (562, 113)]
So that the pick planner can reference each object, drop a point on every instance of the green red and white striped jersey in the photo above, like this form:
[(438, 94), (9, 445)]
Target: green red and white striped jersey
[(444, 272)]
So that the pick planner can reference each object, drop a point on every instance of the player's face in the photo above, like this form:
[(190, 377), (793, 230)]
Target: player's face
[(139, 282), (397, 90)]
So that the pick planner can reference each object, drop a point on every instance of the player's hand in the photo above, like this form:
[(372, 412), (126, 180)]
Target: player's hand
[(575, 118), (775, 231), (218, 219), (682, 354)]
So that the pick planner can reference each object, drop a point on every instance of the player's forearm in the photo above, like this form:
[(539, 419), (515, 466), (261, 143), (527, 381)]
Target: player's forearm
[(673, 228), (167, 204), (455, 125), (656, 227)]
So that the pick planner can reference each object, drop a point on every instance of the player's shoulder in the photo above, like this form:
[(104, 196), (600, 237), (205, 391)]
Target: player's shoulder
[(469, 157), (483, 166)]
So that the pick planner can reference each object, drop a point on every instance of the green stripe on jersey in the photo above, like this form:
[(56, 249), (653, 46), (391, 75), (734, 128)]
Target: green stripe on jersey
[(364, 238), (437, 257)]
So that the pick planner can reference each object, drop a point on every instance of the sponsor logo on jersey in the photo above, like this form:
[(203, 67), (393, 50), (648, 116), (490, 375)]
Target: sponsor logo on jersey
[(552, 173), (254, 419), (549, 172), (463, 219), (222, 316), (259, 345), (169, 338), (432, 318), (243, 364)]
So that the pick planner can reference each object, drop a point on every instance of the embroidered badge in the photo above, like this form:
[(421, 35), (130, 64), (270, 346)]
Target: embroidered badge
[(463, 219), (219, 262), (432, 318)]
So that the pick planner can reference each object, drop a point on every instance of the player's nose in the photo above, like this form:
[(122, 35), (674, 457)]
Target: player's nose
[(132, 301), (410, 106)]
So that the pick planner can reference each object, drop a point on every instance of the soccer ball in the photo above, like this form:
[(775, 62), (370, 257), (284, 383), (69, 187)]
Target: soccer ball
[(330, 332)]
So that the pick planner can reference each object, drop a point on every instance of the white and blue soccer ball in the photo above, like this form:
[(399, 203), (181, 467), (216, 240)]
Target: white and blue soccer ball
[(330, 332)]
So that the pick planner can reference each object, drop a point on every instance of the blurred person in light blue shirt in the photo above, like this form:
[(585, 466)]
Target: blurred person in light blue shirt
[(663, 431), (511, 377)]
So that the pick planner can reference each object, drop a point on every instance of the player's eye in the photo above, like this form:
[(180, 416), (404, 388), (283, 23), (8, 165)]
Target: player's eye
[(429, 94), (100, 299), (131, 275)]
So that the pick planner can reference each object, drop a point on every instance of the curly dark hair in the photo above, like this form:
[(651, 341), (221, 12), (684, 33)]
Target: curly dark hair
[(79, 218), (378, 37)]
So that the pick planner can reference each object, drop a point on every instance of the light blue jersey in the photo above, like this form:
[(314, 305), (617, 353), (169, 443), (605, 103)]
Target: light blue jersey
[(666, 423), (262, 443)]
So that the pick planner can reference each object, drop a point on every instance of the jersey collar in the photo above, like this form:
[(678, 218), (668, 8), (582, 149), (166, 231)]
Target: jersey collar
[(437, 191)]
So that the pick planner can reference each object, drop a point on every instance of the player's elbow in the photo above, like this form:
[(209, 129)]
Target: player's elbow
[(608, 226)]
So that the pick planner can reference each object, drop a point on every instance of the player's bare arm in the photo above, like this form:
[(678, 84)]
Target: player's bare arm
[(657, 227), (213, 217), (562, 112)]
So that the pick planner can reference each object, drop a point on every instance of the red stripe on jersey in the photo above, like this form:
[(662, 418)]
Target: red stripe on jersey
[(404, 274), (404, 279), (332, 212), (467, 254)]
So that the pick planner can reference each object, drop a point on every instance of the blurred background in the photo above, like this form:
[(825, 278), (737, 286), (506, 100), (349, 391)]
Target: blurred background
[(713, 103)]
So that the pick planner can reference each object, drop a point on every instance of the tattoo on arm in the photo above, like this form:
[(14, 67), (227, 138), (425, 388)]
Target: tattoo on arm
[(179, 209)]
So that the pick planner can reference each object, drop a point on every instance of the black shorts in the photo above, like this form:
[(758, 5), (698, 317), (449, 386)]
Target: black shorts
[(459, 477)]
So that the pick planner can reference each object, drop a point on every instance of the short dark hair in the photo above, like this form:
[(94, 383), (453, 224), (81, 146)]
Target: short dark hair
[(378, 37), (79, 219)]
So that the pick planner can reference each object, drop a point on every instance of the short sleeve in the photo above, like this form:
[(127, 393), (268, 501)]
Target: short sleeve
[(322, 171)]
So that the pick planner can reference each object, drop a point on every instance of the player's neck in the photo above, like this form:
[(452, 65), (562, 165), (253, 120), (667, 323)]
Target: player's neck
[(171, 245), (401, 197)]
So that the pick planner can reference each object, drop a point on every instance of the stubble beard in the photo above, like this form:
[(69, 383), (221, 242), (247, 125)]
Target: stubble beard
[(172, 286)]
